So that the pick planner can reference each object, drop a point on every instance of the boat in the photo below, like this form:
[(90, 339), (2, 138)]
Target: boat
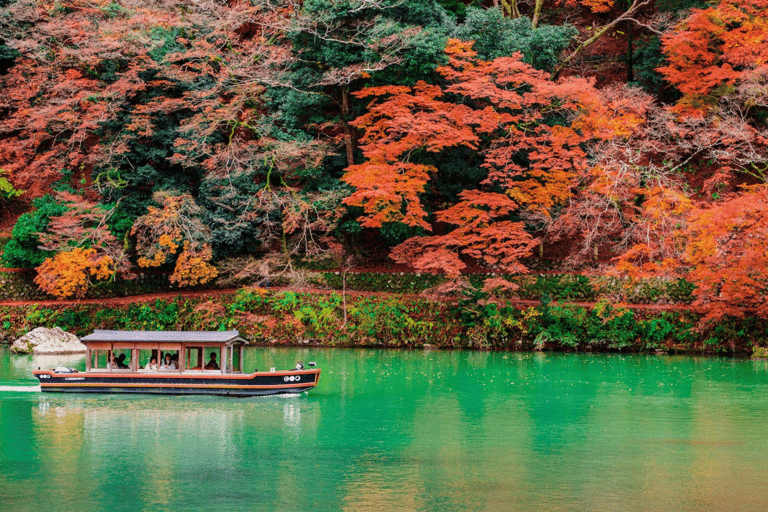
[(173, 363)]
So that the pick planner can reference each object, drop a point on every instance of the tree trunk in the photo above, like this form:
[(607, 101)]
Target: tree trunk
[(630, 51), (345, 125), (636, 5), (509, 9), (536, 13)]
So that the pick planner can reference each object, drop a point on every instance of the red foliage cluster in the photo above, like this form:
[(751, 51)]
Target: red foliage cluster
[(715, 47), (501, 105)]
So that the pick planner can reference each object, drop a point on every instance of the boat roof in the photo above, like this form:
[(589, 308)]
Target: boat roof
[(165, 336)]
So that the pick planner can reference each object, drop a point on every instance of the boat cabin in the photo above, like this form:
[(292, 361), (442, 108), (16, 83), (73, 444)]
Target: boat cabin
[(183, 352)]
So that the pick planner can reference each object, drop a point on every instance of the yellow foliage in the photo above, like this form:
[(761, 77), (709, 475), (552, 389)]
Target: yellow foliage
[(168, 242), (193, 268), (69, 273), (165, 248), (158, 258)]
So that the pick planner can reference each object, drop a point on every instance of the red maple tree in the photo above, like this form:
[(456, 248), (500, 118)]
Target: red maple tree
[(530, 129), (713, 48)]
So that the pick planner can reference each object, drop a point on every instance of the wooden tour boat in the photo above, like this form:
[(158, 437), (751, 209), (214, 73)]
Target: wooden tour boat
[(175, 363)]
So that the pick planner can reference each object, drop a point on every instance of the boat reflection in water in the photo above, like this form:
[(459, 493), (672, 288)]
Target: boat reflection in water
[(175, 363), (185, 447)]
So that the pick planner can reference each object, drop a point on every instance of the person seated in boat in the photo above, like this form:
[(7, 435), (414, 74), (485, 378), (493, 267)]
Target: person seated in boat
[(175, 362), (168, 363), (152, 364), (121, 362), (212, 364)]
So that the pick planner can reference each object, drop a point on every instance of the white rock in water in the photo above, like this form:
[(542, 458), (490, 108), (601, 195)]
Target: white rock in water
[(48, 341)]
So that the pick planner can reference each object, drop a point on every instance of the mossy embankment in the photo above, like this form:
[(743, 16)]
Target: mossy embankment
[(350, 319)]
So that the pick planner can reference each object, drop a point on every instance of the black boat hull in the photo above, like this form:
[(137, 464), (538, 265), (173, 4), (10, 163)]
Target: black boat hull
[(255, 384)]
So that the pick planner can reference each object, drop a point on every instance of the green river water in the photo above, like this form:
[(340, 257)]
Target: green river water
[(400, 430)]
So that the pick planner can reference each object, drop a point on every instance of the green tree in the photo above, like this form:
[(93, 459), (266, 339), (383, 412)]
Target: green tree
[(338, 47), (496, 36), (23, 250)]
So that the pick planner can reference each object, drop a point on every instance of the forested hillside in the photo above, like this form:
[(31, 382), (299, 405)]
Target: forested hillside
[(201, 137)]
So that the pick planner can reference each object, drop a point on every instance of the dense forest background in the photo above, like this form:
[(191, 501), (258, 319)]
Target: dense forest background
[(212, 138)]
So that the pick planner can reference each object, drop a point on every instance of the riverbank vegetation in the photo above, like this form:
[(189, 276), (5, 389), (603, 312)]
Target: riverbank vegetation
[(336, 319), (471, 143)]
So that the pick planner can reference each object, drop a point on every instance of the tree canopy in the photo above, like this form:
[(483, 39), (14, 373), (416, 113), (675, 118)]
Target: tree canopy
[(443, 134)]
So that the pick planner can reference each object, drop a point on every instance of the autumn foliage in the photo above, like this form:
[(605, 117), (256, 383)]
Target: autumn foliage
[(175, 137), (83, 249), (70, 273), (84, 224), (193, 268), (713, 48), (726, 251), (530, 130), (161, 232)]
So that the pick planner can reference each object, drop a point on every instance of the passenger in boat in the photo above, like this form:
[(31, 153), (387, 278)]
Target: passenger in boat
[(121, 362), (152, 364), (167, 363), (175, 362), (212, 364)]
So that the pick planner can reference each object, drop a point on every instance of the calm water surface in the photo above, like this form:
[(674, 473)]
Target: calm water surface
[(390, 430)]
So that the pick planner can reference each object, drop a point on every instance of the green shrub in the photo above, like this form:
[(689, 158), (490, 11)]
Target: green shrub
[(22, 250), (655, 331), (497, 36), (562, 324)]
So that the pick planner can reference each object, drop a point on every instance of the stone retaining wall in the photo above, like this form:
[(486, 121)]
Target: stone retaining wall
[(18, 284)]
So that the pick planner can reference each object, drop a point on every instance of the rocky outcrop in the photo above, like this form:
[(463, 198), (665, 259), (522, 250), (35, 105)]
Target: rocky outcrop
[(48, 341)]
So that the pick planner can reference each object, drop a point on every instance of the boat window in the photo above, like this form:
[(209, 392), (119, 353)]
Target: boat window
[(236, 358), (212, 358), (148, 359), (199, 358), (169, 360), (122, 360), (98, 359), (194, 358)]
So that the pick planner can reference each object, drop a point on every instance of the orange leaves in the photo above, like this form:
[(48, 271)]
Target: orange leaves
[(412, 119), (480, 234), (721, 248), (503, 99), (69, 273), (714, 47), (499, 245), (389, 192), (611, 114), (161, 231), (530, 131), (593, 5), (85, 249), (479, 208), (727, 251), (598, 5), (193, 269), (429, 254)]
